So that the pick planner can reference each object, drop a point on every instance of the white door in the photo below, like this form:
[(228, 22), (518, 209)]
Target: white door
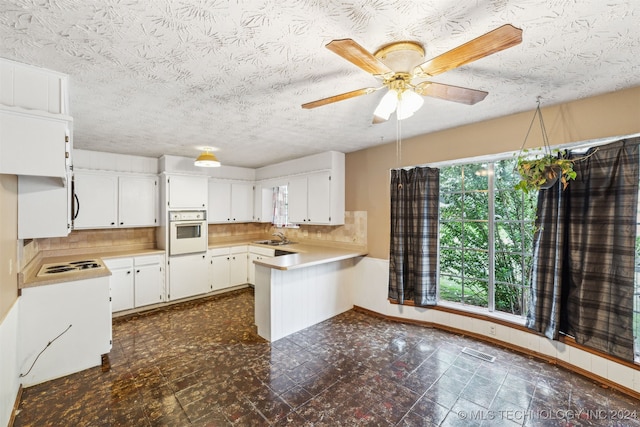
[(121, 282), (219, 202), (219, 272), (187, 192), (32, 145), (319, 198), (138, 204), (187, 276), (263, 204), (241, 202), (96, 200), (148, 285), (238, 269), (297, 200), (43, 207)]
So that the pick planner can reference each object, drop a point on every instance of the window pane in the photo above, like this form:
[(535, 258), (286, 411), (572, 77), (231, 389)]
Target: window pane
[(451, 206), (476, 177), (476, 205), (451, 179), (506, 175), (509, 237), (451, 262), (508, 268), (450, 288), (509, 299), (476, 293), (476, 235), (475, 263), (451, 234)]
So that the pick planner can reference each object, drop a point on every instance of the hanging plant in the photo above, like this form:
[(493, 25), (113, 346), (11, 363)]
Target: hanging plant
[(544, 172)]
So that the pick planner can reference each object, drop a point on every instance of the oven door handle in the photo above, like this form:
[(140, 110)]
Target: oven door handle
[(188, 224)]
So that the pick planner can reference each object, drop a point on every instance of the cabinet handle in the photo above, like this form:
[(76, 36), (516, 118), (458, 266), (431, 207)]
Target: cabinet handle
[(121, 223), (129, 272), (113, 223), (137, 271)]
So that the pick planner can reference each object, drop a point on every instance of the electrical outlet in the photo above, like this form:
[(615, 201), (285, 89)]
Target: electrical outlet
[(492, 330)]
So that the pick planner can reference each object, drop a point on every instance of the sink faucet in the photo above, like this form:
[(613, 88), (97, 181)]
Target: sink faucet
[(282, 237)]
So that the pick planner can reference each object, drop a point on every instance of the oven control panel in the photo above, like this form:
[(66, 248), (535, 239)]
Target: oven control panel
[(187, 215)]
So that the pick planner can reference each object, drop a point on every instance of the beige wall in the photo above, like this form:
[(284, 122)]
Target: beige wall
[(8, 245), (367, 171)]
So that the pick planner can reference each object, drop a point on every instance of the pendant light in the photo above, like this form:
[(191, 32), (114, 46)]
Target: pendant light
[(207, 159)]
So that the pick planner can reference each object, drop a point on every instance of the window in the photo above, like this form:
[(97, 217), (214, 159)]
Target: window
[(280, 207), (486, 237)]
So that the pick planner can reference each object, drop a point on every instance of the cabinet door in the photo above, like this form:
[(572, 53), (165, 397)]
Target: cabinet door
[(251, 267), (241, 202), (238, 269), (187, 276), (219, 202), (32, 145), (137, 197), (187, 192), (148, 285), (219, 273), (97, 200), (121, 282), (319, 198), (43, 207), (297, 200), (263, 204)]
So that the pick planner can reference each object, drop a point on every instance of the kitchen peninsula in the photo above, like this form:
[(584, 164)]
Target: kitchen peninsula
[(295, 291)]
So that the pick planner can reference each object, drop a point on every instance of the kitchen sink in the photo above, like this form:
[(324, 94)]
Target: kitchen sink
[(273, 242)]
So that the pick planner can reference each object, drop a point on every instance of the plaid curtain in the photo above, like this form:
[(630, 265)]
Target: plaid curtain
[(413, 255), (584, 254)]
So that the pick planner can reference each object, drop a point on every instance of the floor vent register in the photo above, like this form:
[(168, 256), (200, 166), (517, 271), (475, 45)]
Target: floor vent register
[(480, 355)]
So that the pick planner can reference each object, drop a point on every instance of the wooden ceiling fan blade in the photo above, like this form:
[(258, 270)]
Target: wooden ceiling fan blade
[(494, 41), (336, 98), (451, 93), (359, 56)]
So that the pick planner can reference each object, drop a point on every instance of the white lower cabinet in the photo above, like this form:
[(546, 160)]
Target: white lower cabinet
[(78, 312), (136, 281), (227, 267), (188, 276), (149, 280), (257, 253)]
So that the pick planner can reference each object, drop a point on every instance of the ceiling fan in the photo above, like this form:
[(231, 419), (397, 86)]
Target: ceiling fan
[(399, 67)]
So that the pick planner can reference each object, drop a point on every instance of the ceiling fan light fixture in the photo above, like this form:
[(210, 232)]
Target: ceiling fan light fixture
[(207, 159), (409, 102), (387, 105)]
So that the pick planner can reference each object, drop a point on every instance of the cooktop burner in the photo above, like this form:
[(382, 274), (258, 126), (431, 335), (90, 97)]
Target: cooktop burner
[(70, 267)]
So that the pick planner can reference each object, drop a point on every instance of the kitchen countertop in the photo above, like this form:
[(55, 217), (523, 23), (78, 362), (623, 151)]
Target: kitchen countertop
[(304, 255), (307, 255), (28, 277)]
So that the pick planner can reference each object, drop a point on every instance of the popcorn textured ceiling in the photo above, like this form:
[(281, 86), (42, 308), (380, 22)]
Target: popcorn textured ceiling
[(168, 76)]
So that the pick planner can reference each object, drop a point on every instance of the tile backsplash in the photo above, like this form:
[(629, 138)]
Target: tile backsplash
[(353, 232)]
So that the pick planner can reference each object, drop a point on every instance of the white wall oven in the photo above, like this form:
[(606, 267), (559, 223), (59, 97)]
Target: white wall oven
[(187, 232)]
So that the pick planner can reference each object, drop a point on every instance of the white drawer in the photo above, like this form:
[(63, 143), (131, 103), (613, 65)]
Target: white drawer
[(116, 263), (148, 259), (259, 250), (218, 251)]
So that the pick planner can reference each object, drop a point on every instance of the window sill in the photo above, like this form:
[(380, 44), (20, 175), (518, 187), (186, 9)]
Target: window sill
[(480, 313)]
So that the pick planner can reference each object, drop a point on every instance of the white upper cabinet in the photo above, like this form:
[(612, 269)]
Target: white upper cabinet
[(44, 207), (33, 88), (230, 202), (96, 200), (262, 203), (104, 200), (187, 192), (311, 200), (219, 202), (33, 145), (35, 129), (137, 201)]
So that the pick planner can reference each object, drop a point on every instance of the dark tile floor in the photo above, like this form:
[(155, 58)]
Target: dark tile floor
[(202, 364)]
